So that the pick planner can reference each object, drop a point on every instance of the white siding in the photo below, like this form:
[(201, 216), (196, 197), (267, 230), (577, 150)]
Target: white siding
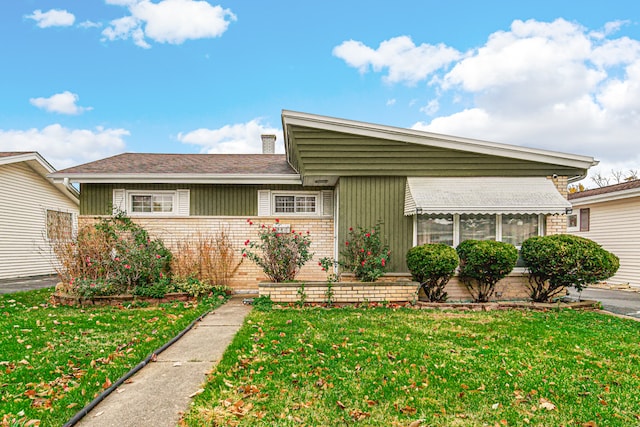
[(616, 226), (25, 197)]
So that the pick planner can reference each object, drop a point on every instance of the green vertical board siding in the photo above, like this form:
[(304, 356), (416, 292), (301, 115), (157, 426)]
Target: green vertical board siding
[(205, 199), (364, 201), (224, 200)]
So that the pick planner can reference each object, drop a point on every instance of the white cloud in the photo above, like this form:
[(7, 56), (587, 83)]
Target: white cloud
[(233, 139), (431, 108), (64, 147), (550, 85), (404, 61), (391, 102), (89, 24), (52, 18), (62, 103), (168, 21)]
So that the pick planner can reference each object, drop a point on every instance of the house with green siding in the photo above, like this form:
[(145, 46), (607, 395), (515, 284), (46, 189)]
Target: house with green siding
[(335, 174)]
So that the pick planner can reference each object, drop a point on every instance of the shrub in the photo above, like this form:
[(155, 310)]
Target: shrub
[(561, 260), (483, 263), (210, 258), (279, 254), (433, 265), (193, 286), (155, 290), (364, 254), (114, 256), (134, 259)]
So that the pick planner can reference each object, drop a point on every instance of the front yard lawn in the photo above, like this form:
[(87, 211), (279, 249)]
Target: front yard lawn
[(55, 359), (404, 367)]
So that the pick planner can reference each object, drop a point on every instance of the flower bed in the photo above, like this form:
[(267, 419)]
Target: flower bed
[(115, 300), (342, 292)]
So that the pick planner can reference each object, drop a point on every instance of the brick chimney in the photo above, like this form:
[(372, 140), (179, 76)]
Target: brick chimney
[(268, 144)]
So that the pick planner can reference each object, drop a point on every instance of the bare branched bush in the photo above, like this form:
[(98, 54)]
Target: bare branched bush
[(83, 255), (210, 258)]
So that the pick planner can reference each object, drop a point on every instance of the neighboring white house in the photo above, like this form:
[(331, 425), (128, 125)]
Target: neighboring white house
[(30, 202), (610, 216)]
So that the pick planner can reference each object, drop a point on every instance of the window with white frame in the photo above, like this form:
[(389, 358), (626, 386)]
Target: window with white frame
[(295, 203), (453, 229), (579, 220), (143, 202), (151, 203)]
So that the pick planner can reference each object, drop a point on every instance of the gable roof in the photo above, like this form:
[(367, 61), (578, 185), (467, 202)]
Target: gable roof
[(40, 166), (603, 194), (184, 168), (311, 138)]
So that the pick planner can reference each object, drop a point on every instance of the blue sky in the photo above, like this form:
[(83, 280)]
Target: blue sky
[(83, 80)]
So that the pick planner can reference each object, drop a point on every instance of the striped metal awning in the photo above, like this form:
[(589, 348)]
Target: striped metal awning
[(483, 195)]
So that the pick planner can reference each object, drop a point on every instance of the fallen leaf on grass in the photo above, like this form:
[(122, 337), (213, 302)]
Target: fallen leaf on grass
[(197, 392), (106, 384), (71, 405), (416, 423), (545, 404), (359, 415), (589, 424), (340, 404)]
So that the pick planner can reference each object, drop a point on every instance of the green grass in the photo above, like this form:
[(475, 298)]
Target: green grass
[(54, 359), (386, 367)]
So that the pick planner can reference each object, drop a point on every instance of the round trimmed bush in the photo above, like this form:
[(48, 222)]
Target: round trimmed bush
[(483, 263), (561, 260), (432, 265)]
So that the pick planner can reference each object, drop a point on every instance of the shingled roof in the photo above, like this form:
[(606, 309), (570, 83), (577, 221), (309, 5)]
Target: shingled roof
[(139, 167), (14, 153), (630, 185)]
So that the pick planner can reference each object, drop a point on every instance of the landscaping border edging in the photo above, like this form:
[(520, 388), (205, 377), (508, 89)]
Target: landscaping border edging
[(115, 300), (509, 305)]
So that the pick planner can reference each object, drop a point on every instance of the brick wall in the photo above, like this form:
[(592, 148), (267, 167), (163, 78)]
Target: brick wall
[(557, 224), (343, 292), (173, 230)]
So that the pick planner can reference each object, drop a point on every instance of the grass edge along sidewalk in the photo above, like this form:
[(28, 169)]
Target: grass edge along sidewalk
[(56, 359), (383, 366)]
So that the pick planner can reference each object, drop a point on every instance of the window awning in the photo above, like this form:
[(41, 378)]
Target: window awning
[(483, 195)]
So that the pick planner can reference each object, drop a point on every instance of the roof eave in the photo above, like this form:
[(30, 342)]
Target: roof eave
[(44, 169), (91, 178), (434, 139), (606, 197)]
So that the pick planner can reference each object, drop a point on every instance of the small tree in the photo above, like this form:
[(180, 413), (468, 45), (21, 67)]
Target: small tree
[(364, 254), (561, 260), (433, 265), (279, 254), (483, 263)]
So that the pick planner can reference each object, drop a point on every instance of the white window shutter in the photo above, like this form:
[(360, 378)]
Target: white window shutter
[(119, 201), (183, 203), (264, 202), (327, 202)]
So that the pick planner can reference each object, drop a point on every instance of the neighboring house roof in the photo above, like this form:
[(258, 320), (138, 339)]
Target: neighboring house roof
[(184, 168), (311, 140), (42, 167), (604, 194)]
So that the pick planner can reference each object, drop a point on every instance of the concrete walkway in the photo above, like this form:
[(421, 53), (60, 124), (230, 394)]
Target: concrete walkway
[(21, 284), (160, 392)]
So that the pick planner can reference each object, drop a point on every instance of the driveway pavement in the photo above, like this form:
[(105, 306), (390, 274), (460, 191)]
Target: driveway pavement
[(9, 286), (619, 301)]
